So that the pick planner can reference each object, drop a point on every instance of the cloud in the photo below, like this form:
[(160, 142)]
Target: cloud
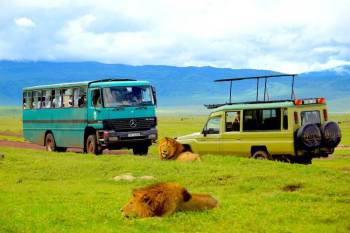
[(288, 36), (24, 22)]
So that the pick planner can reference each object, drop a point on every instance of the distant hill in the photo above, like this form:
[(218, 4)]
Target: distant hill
[(177, 86)]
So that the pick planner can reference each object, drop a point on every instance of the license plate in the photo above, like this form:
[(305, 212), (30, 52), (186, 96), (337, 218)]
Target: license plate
[(134, 135)]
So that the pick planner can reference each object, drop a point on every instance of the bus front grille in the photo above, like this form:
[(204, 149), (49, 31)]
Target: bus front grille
[(129, 124)]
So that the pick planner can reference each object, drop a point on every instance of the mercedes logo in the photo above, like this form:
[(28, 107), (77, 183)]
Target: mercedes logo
[(132, 123)]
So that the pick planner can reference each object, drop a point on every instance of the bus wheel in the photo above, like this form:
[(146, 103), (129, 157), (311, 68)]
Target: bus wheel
[(140, 150), (261, 155), (50, 143), (91, 145)]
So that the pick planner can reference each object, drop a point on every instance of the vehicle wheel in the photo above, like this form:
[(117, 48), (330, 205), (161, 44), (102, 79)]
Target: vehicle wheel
[(140, 150), (261, 154), (309, 136), (331, 134), (50, 143), (91, 145)]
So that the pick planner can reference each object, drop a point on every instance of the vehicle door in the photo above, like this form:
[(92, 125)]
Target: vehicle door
[(231, 136), (95, 107), (209, 142)]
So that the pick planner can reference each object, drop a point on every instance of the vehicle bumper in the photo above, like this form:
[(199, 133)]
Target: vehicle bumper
[(115, 140)]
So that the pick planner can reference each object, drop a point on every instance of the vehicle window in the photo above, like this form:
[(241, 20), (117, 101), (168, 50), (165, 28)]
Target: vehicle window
[(67, 95), (79, 97), (233, 120), (36, 99), (27, 100), (285, 118), (262, 119), (213, 125), (96, 98), (46, 101), (127, 96), (310, 117), (58, 99)]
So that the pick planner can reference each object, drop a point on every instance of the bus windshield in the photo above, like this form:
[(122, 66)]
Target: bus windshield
[(127, 96)]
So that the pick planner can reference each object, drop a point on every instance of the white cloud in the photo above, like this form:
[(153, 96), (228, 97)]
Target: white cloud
[(24, 22), (288, 36)]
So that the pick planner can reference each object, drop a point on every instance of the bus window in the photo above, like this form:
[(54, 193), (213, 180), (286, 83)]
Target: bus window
[(58, 98), (67, 98), (37, 99), (27, 100), (79, 97), (233, 121), (96, 98)]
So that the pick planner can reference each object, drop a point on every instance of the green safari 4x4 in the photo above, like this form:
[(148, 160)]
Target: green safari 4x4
[(294, 130)]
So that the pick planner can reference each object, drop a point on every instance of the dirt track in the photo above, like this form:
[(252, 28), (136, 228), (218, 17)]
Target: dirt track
[(27, 145)]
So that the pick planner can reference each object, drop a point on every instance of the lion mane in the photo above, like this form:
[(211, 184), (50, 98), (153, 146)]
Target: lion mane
[(170, 149), (163, 199)]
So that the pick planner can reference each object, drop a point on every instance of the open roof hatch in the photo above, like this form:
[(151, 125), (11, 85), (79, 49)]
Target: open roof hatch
[(265, 77)]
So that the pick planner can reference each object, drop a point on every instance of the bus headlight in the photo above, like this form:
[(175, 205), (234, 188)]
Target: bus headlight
[(152, 136)]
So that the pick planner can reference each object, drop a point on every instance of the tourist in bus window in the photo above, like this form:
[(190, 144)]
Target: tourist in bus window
[(67, 98), (96, 98), (82, 98)]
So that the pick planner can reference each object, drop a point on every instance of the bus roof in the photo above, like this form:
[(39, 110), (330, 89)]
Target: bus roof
[(97, 83)]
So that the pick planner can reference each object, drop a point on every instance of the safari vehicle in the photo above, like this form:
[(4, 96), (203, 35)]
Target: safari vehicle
[(291, 130), (94, 115)]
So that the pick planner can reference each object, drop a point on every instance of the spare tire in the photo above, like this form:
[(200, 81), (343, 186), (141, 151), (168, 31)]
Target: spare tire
[(309, 136), (331, 134)]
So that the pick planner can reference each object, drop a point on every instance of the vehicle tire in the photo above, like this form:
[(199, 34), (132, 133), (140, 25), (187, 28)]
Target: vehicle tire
[(50, 143), (91, 146), (309, 136), (140, 150), (331, 134), (261, 155)]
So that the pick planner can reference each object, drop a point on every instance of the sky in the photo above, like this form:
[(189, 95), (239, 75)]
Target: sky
[(288, 36)]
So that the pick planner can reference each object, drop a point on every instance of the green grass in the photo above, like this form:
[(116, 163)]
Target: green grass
[(72, 192)]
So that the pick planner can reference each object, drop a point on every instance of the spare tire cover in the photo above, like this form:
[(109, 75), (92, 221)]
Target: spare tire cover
[(331, 134), (309, 136)]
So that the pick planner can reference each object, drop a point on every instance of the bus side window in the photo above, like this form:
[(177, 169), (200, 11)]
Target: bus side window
[(47, 99), (96, 98), (79, 97), (58, 98), (27, 100), (67, 98), (37, 99)]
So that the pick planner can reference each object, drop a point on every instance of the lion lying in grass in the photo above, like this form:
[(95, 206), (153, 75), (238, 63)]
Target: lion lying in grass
[(170, 149), (163, 199)]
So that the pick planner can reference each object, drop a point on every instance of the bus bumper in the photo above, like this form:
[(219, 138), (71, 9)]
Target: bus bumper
[(115, 140)]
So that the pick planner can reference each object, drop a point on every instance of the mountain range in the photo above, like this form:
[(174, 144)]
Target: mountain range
[(179, 86)]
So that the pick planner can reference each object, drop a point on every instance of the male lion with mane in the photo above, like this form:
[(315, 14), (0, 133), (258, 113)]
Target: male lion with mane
[(163, 199), (170, 149)]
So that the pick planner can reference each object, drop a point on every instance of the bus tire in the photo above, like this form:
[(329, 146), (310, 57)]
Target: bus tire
[(50, 143), (140, 150), (92, 146), (331, 134), (309, 136)]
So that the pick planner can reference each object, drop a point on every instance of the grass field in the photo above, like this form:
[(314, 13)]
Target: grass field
[(73, 192)]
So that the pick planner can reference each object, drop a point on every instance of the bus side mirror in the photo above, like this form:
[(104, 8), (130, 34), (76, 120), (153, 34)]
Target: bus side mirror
[(205, 132), (154, 95)]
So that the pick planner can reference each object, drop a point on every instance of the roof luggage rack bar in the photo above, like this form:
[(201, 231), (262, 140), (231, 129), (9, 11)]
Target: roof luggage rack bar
[(292, 97), (112, 80)]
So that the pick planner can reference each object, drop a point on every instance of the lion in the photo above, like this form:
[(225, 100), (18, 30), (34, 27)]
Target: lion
[(162, 199), (170, 149)]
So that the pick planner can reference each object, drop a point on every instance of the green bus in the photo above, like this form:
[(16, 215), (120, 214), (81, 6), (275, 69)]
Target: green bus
[(94, 115)]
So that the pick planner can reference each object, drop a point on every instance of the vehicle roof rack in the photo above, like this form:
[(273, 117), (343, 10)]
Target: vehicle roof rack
[(265, 77), (112, 80)]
